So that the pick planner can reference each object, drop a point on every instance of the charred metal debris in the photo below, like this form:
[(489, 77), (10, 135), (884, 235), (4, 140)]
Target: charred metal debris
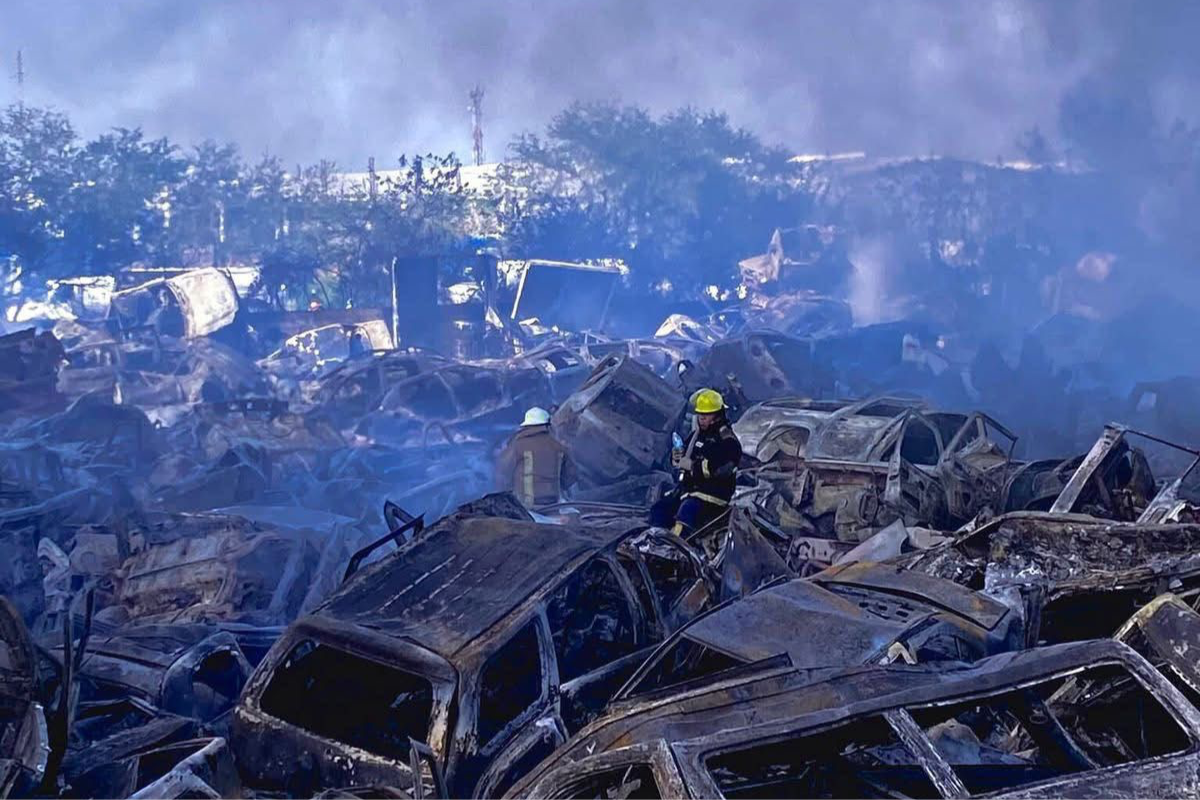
[(260, 554)]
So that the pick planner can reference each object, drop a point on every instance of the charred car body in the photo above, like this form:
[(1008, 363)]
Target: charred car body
[(844, 471), (1088, 719), (488, 638)]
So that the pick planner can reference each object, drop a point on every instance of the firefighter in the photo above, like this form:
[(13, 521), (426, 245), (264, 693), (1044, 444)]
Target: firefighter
[(533, 465), (707, 469)]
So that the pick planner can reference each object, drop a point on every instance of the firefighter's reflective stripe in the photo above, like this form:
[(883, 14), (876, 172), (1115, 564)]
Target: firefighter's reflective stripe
[(527, 478), (708, 498), (704, 468)]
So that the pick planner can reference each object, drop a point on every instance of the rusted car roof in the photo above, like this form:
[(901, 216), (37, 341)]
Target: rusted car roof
[(446, 588)]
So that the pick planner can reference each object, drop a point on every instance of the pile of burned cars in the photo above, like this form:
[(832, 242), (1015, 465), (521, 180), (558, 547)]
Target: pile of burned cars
[(263, 555)]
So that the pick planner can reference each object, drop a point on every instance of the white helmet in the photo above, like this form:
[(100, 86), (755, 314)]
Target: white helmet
[(536, 416)]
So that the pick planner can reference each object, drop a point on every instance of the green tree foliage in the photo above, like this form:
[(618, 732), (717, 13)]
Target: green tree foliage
[(76, 208), (341, 236), (112, 214), (37, 152), (684, 193)]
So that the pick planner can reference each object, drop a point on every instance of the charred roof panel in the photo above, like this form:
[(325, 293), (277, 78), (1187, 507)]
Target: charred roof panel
[(836, 631), (446, 588)]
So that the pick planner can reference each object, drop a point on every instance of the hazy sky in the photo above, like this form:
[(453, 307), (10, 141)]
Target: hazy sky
[(346, 79)]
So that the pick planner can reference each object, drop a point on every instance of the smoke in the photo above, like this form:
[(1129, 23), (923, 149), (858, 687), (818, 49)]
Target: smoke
[(307, 79), (871, 295)]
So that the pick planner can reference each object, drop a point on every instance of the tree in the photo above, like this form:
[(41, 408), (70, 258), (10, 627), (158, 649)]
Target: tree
[(684, 194), (419, 208), (37, 152), (311, 208), (206, 205), (115, 212)]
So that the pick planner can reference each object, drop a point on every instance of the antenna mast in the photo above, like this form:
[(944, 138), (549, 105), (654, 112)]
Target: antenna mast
[(477, 123), (20, 79)]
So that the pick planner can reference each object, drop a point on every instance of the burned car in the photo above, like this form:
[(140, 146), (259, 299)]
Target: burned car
[(191, 670), (1113, 481), (1087, 719), (844, 471), (213, 567), (665, 356), (489, 639), (617, 428), (1074, 576), (458, 394), (189, 304), (314, 350), (847, 616), (355, 388), (153, 371), (761, 365), (1166, 632)]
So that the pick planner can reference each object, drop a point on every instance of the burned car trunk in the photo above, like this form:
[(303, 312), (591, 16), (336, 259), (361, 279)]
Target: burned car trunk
[(487, 638)]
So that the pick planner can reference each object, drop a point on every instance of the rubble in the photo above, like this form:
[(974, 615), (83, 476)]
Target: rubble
[(24, 739), (29, 364)]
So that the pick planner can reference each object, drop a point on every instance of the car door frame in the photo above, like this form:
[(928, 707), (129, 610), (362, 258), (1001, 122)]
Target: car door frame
[(519, 734)]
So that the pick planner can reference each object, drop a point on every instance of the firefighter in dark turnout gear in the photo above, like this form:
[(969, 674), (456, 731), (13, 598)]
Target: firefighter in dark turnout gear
[(707, 470), (533, 465)]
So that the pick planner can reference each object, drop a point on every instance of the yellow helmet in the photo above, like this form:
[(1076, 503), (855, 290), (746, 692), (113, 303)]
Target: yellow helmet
[(707, 401)]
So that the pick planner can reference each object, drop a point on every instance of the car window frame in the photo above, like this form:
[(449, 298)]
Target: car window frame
[(548, 690), (693, 755)]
